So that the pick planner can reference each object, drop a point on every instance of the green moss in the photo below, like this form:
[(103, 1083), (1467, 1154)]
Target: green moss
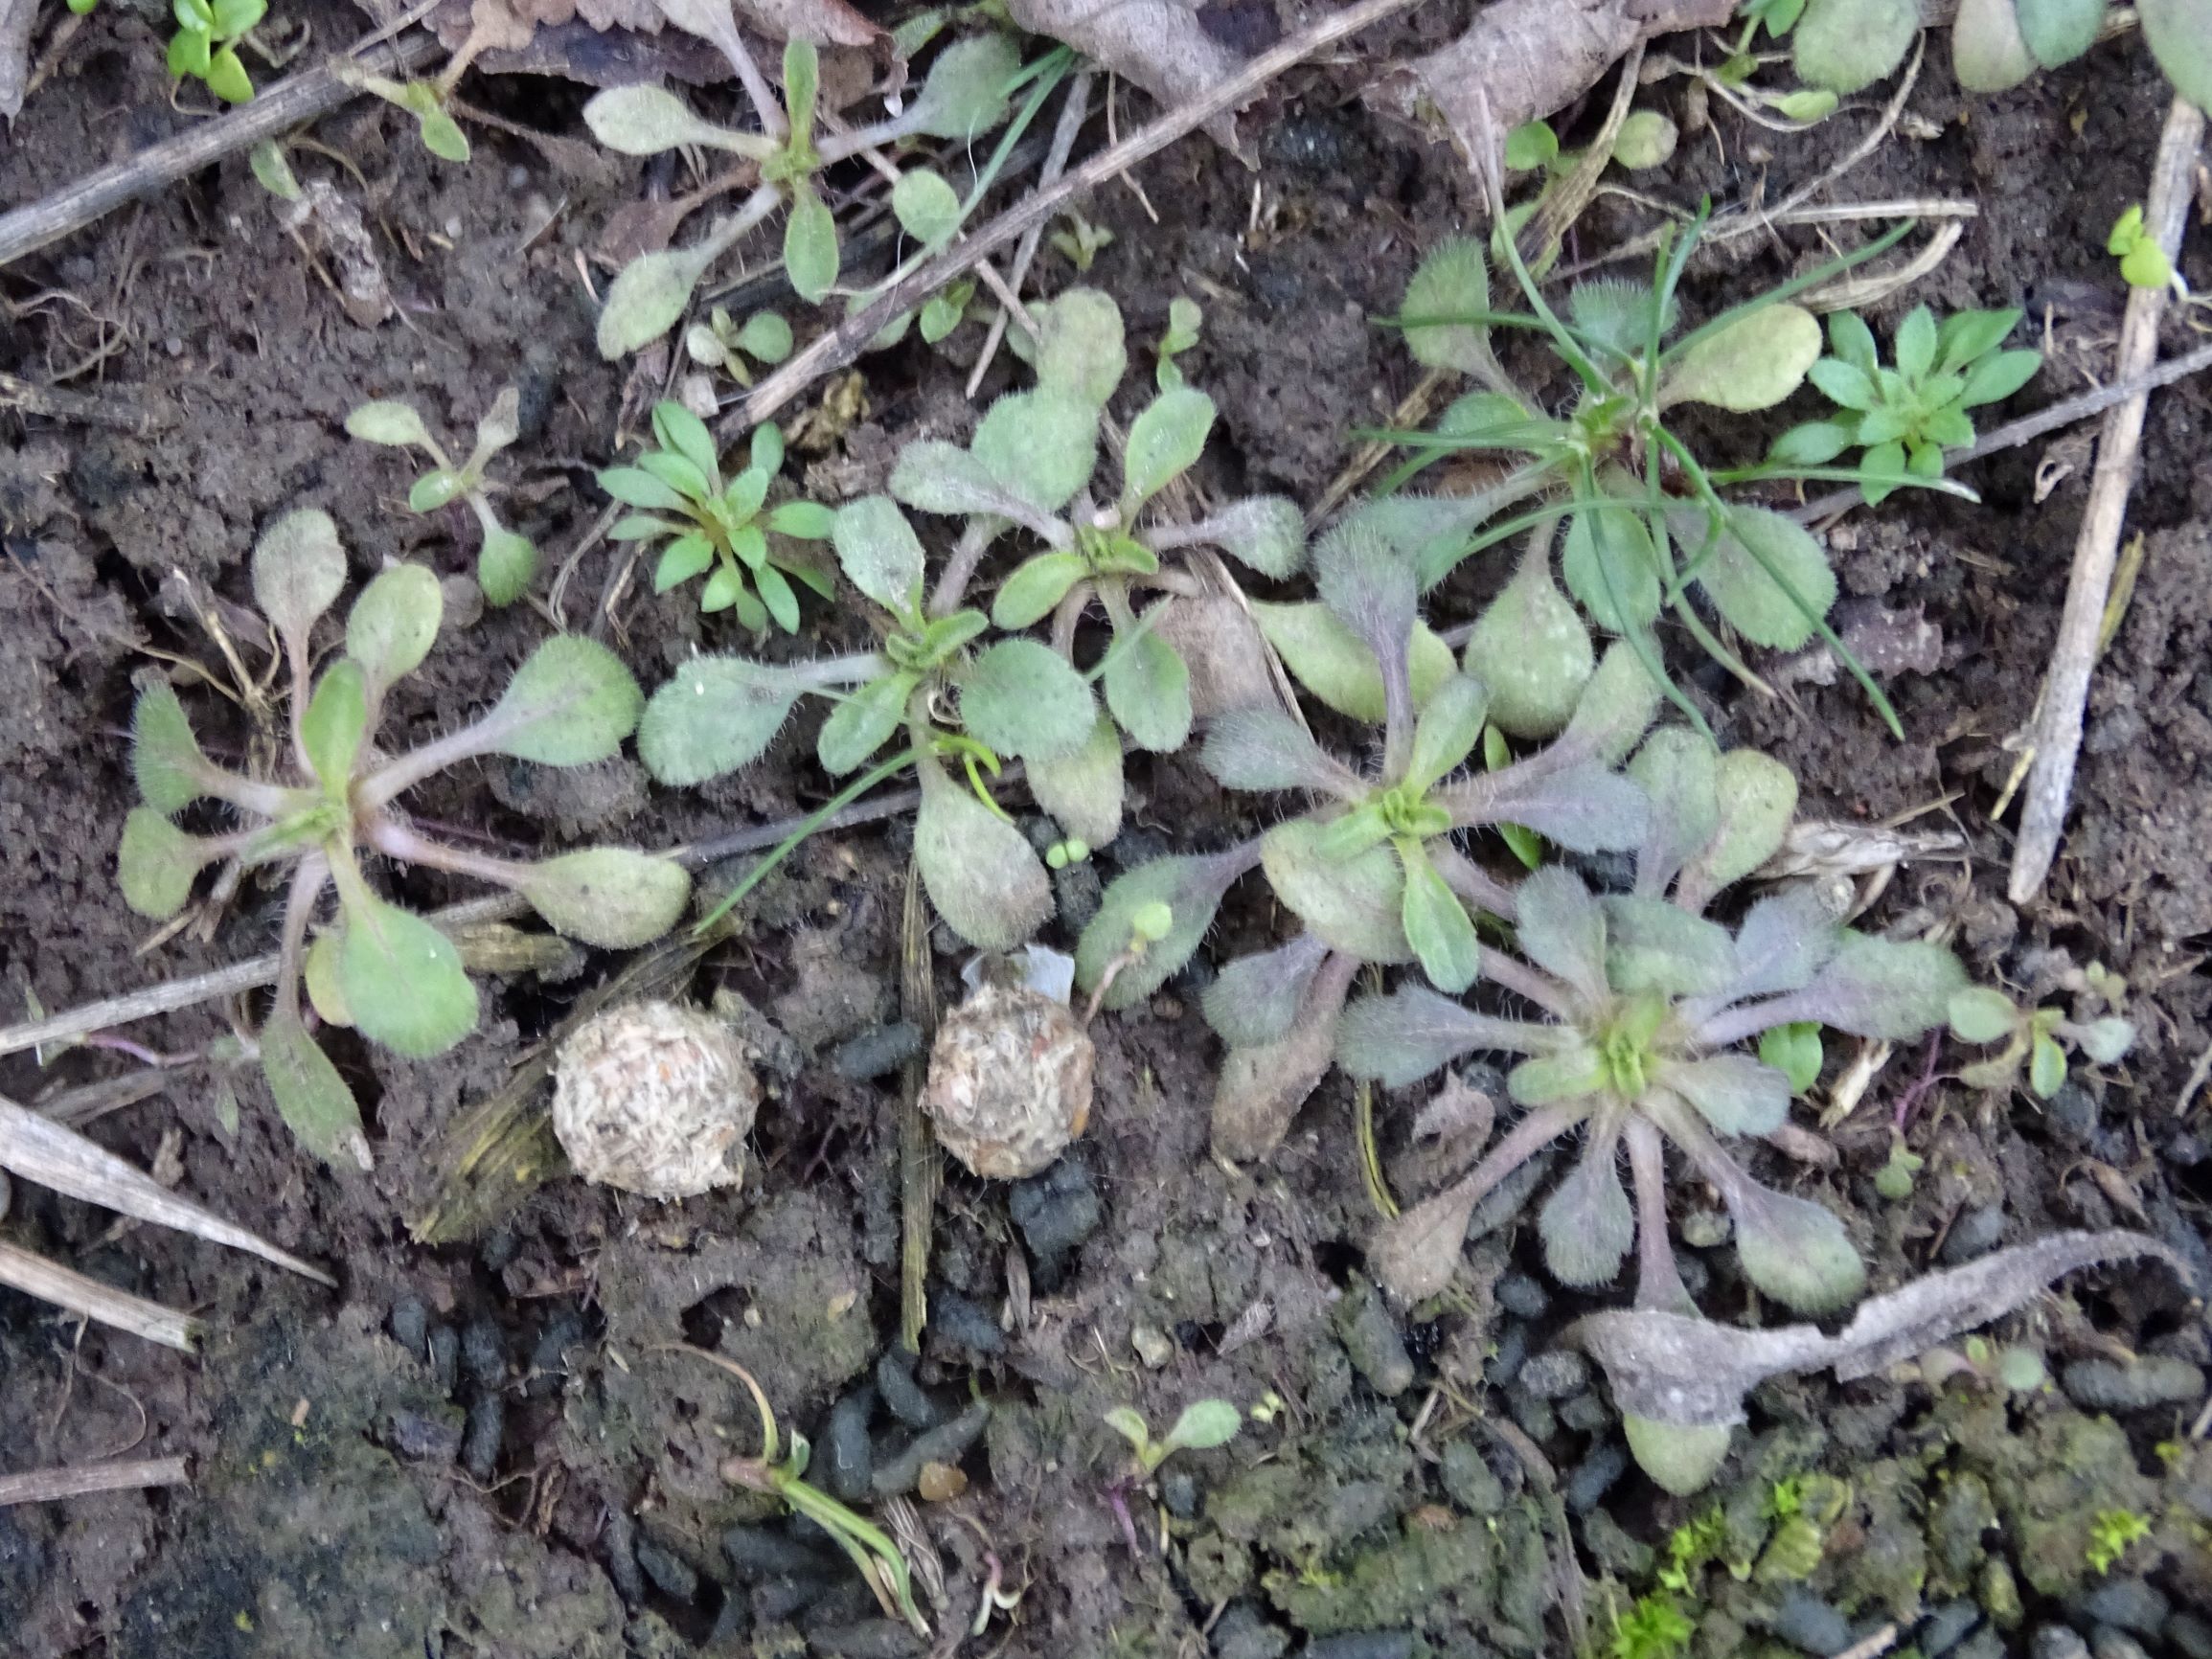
[(1423, 1579)]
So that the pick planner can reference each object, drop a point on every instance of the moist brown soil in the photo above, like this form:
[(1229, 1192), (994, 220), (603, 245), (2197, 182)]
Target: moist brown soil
[(486, 1447)]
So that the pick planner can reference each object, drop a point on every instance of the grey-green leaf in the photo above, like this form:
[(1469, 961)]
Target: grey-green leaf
[(927, 208), (1148, 687), (2060, 31), (1453, 281), (166, 759), (1735, 1094), (1165, 439), (1758, 551), (1848, 45), (967, 90), (570, 703), (388, 421), (299, 568), (648, 295), (1587, 1225), (1652, 945), (715, 714), (402, 980), (1353, 904), (609, 897), (1616, 708), (1561, 929), (1753, 362), (1532, 651), (1190, 887), (1254, 1000), (863, 723), (336, 721), (1043, 445), (156, 864), (1678, 772), (810, 255), (1883, 987), (1987, 50), (395, 622), (1611, 567), (1081, 353), (880, 552), (311, 1097), (1022, 697), (1082, 790), (978, 868), (1449, 728), (1758, 798), (1330, 661), (1795, 1250), (651, 120), (1266, 532), (2180, 36)]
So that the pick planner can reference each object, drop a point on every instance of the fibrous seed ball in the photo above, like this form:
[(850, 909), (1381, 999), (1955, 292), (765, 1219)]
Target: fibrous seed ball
[(655, 1100), (1010, 1081)]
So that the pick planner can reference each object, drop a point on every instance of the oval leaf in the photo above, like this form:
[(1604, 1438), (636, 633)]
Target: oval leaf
[(570, 703), (810, 255), (715, 714), (1452, 282), (880, 552), (609, 897), (402, 980), (1753, 362), (1040, 445), (863, 723), (979, 870), (1586, 1224), (1082, 790), (1795, 1250), (1765, 575), (1165, 441), (927, 208), (1190, 887), (311, 1097), (299, 568), (1022, 697), (166, 759), (1848, 45), (1328, 660), (1080, 349), (1148, 687), (395, 622), (388, 421), (1353, 904), (1532, 651), (156, 864)]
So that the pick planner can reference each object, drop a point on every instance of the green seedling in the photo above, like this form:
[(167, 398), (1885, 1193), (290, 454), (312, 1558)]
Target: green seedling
[(2111, 1534), (1079, 243), (881, 1563), (1648, 531), (719, 528), (2035, 1040), (507, 562), (1653, 1627), (1203, 1425), (2143, 263), (721, 343), (375, 966), (206, 43), (944, 311), (1997, 44), (1184, 321), (1374, 869), (425, 100), (1905, 417), (969, 91), (1894, 1179)]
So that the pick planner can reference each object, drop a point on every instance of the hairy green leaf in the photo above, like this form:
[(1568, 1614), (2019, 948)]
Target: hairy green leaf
[(1617, 706), (810, 256), (1751, 363), (570, 703), (1448, 730), (1261, 748), (1022, 697), (966, 92), (1190, 887), (1570, 1074), (1978, 1014), (395, 622), (1453, 281), (1035, 588), (978, 868), (1148, 688), (927, 208), (1254, 1000), (1758, 798), (1328, 660), (1678, 770), (609, 896), (1264, 533), (311, 1097), (336, 723), (1652, 945), (1531, 648), (505, 565), (1561, 929), (1587, 1225), (402, 980), (647, 296), (1203, 1425), (863, 723), (1734, 1092), (1611, 567), (157, 863), (1082, 790), (1353, 904), (388, 421), (299, 569), (2059, 31), (1795, 1250), (1756, 553), (1437, 925), (1080, 350), (649, 120), (166, 759), (1848, 45), (715, 714), (1042, 445), (880, 552), (1165, 439)]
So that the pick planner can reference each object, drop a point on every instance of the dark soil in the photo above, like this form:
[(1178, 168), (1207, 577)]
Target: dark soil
[(487, 1449)]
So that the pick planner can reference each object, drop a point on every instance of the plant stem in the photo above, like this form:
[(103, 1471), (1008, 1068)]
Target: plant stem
[(1523, 980), (960, 569), (807, 826), (307, 890), (1660, 1284)]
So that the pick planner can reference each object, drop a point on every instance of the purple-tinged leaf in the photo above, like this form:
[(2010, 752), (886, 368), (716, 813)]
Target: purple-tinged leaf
[(1579, 806), (1254, 1000), (1400, 1038), (1782, 943), (1652, 945), (1563, 930), (1883, 987), (1586, 1224), (1734, 1092), (1414, 1254), (1266, 749), (1261, 1089), (1369, 588), (1676, 768), (1795, 1250)]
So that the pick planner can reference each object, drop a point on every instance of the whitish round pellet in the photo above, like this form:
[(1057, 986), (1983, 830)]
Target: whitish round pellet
[(1010, 1081), (655, 1100)]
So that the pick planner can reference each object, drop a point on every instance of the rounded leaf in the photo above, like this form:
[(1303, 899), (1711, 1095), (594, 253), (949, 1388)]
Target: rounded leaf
[(1188, 887), (570, 703), (389, 422), (156, 864), (2107, 1041), (880, 552), (1653, 945), (651, 120), (506, 565), (1166, 440), (968, 89), (1328, 660), (2180, 36), (1022, 697), (1758, 797), (1682, 1457), (402, 980), (1765, 575), (715, 714), (1735, 1093), (1795, 1250), (979, 870), (927, 208), (166, 759), (1586, 1224), (1533, 650), (311, 1097), (1750, 363), (395, 622), (1254, 1000), (336, 723), (1979, 1014), (1616, 708), (609, 897), (1883, 987), (1203, 1425), (1264, 533), (1040, 445), (1611, 567), (2060, 31), (1148, 688), (1453, 281), (645, 299), (1035, 588), (1353, 904), (1082, 790), (863, 723), (299, 569), (810, 256), (1561, 928), (1437, 925), (1848, 45), (1079, 349), (1647, 139)]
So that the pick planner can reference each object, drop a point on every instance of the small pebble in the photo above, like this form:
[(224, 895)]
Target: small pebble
[(1518, 1293), (549, 1355), (1153, 1346), (672, 1575), (947, 1445), (1697, 1276), (445, 1356), (1179, 1493), (1975, 1233), (1243, 1632), (482, 1359), (1503, 1366), (480, 1442), (1594, 1476), (2125, 1604), (1586, 1412), (1366, 1645), (1075, 890), (953, 1318), (498, 1248), (1469, 1479), (1535, 1417), (2072, 1115), (2057, 1641), (1056, 1210), (874, 1054), (1984, 1644), (426, 1439), (1371, 1340), (2190, 1635), (411, 1325), (848, 1455), (621, 1540), (1511, 1196), (1946, 1627), (903, 1396), (2106, 1385), (767, 1552), (1556, 1373), (1811, 1624)]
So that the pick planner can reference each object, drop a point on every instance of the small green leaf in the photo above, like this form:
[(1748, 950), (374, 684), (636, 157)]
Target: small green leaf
[(1587, 1225), (1994, 378), (802, 85), (402, 980), (394, 623), (1082, 791), (1795, 1250), (1757, 796), (1914, 344), (1266, 532), (299, 569), (1617, 706), (1204, 1425), (1148, 687), (1035, 588), (650, 121), (434, 490), (1795, 1050), (311, 1097), (166, 759), (2059, 31), (802, 520), (1328, 660), (1978, 1014), (570, 703), (2106, 1041), (1652, 945), (1080, 352), (336, 723), (1807, 105), (1611, 568), (391, 422), (1811, 443), (1022, 697), (715, 714), (609, 896), (1735, 1093), (1757, 552), (1126, 1423), (1646, 139), (1987, 50), (1568, 1076), (266, 158), (810, 255), (927, 208), (647, 298), (1848, 45), (1532, 651), (683, 559), (880, 552), (863, 723), (1042, 445), (156, 864), (1453, 281), (682, 436), (1355, 904), (968, 89), (1751, 363), (1449, 728), (633, 487), (442, 136), (1847, 385), (1188, 887), (190, 51), (2180, 36), (1530, 146), (227, 79), (1437, 925), (1165, 441), (505, 566), (978, 868)]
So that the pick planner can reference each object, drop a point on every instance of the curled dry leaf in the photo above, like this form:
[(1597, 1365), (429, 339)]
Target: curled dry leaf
[(1529, 58), (328, 220), (1158, 44)]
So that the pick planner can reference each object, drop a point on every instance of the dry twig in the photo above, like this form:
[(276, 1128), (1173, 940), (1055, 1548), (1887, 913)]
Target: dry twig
[(45, 1486)]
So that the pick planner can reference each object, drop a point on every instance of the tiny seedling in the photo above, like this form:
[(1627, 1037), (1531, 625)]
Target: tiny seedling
[(1653, 1627), (206, 43), (507, 559), (425, 100), (1079, 243), (375, 966), (2035, 1039), (1203, 1425), (2143, 263), (2111, 1534), (969, 91), (721, 343), (718, 528), (1648, 531), (1997, 44), (1184, 321), (1905, 417)]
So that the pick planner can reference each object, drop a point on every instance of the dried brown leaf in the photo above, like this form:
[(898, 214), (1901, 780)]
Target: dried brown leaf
[(1158, 44)]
